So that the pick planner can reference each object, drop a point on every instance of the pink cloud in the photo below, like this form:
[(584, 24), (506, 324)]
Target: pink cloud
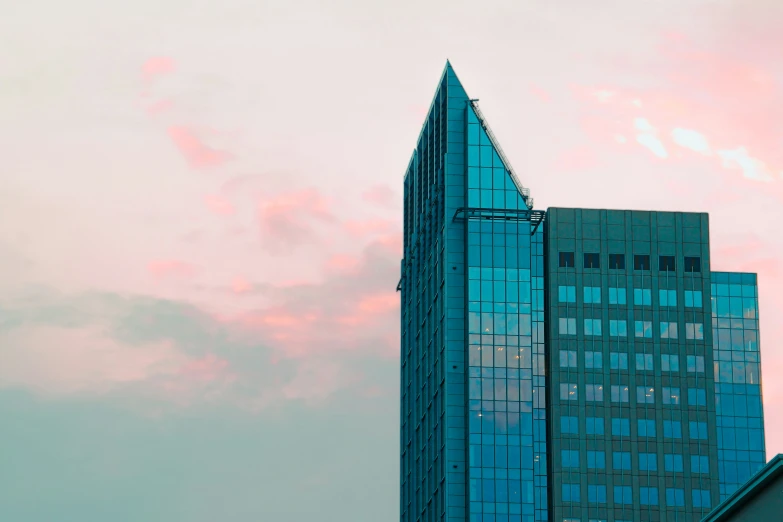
[(218, 205), (383, 196), (576, 159), (292, 218), (207, 368), (370, 227), (196, 153), (159, 106), (540, 93), (167, 268), (241, 286), (157, 66)]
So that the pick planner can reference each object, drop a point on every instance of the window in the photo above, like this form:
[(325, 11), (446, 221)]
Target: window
[(621, 427), (568, 391), (595, 425), (596, 460), (569, 458), (616, 261), (596, 494), (592, 327), (594, 393), (569, 425), (641, 262), (697, 397), (648, 496), (566, 294), (697, 430), (644, 361), (592, 261), (646, 427), (670, 363), (671, 395), (619, 393), (695, 363), (701, 498), (692, 264), (668, 330), (645, 395), (675, 497), (566, 260), (622, 494), (592, 294), (672, 429), (693, 299), (571, 493), (618, 328), (593, 360), (700, 464), (621, 460), (618, 361), (694, 331), (568, 358), (643, 329), (672, 463), (648, 462), (617, 296), (666, 263), (642, 296), (567, 326), (667, 297)]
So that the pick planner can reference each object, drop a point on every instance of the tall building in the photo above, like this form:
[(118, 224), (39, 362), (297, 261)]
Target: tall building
[(573, 365)]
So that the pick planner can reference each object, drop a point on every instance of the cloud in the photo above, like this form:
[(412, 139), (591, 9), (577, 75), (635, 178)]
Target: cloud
[(292, 219), (218, 205), (647, 137), (170, 268), (157, 66), (752, 168), (196, 153), (371, 227), (383, 196), (690, 139)]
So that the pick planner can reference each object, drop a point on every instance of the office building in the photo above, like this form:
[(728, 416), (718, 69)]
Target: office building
[(559, 365)]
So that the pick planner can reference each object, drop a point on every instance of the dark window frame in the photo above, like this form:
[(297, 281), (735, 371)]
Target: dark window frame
[(641, 262), (592, 260), (616, 261), (564, 259), (667, 264), (692, 264)]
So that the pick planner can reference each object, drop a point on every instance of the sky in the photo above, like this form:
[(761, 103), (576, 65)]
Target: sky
[(200, 222)]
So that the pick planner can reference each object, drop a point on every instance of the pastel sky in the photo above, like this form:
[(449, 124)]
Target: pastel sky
[(200, 222)]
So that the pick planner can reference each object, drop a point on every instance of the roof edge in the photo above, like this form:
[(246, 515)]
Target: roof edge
[(772, 470)]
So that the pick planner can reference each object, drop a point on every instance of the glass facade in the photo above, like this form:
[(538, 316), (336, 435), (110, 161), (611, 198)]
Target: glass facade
[(556, 366), (737, 368)]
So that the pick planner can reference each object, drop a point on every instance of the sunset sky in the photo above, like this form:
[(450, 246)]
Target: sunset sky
[(200, 222)]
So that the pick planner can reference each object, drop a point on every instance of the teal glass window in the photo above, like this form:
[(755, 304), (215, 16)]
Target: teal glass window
[(566, 294), (593, 327), (648, 496), (569, 458), (667, 297), (596, 494), (592, 295), (621, 428), (700, 464), (668, 330), (571, 493), (567, 358), (618, 328), (569, 425), (645, 395), (621, 460), (618, 361), (701, 498), (619, 393), (694, 331), (697, 430), (622, 494), (596, 460), (643, 329), (648, 462), (568, 391), (672, 462), (594, 425), (671, 395), (594, 393), (672, 429), (617, 296), (593, 360), (646, 427), (567, 326), (697, 397), (693, 299), (695, 363), (675, 497), (670, 363), (642, 296), (644, 361)]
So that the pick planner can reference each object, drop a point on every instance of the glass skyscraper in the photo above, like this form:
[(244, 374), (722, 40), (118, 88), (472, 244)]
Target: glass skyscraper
[(573, 365)]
